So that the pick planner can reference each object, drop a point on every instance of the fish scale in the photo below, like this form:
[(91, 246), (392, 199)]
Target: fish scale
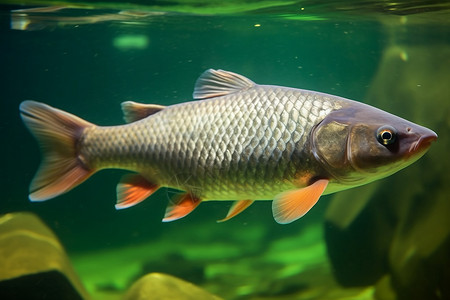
[(239, 141), (225, 148)]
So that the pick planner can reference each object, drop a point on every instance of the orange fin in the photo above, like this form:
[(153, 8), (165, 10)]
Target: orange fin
[(133, 111), (236, 208), (58, 134), (292, 205), (180, 206), (133, 189)]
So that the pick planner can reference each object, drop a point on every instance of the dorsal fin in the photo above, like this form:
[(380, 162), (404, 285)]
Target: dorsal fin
[(133, 111), (214, 83)]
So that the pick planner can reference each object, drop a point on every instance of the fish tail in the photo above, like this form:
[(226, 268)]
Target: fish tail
[(58, 134)]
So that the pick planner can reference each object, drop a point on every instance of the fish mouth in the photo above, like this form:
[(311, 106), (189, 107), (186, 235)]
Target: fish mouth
[(422, 144)]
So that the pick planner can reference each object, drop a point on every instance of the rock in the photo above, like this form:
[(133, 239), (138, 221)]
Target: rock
[(156, 286), (384, 289), (179, 267), (419, 254), (42, 285), (33, 264)]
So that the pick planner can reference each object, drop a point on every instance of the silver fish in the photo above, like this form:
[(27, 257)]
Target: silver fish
[(239, 141)]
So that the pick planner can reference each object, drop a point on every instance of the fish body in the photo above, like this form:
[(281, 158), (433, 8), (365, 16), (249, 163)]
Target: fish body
[(239, 141), (245, 145)]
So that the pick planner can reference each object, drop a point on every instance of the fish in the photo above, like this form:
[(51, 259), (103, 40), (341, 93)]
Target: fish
[(235, 141)]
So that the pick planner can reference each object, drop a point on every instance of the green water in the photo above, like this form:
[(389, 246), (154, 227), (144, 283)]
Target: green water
[(88, 60)]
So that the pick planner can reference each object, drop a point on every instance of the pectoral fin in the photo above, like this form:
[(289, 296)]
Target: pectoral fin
[(180, 206), (292, 205), (133, 189), (236, 208)]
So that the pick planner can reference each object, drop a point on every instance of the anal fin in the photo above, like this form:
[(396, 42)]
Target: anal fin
[(236, 208), (133, 189), (292, 205), (180, 206)]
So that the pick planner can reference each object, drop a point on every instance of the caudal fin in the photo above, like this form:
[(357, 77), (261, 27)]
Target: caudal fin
[(58, 134)]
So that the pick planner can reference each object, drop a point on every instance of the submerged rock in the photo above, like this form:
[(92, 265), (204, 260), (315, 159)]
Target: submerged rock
[(33, 264), (179, 267), (419, 254), (162, 286), (398, 237)]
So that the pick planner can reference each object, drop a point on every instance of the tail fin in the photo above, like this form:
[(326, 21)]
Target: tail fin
[(58, 134)]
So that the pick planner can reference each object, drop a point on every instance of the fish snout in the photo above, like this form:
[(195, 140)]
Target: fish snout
[(423, 142)]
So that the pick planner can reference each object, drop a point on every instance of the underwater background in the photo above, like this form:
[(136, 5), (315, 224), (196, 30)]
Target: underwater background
[(386, 240)]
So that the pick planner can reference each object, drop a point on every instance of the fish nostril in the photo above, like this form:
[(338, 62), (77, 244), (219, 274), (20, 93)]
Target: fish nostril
[(408, 129)]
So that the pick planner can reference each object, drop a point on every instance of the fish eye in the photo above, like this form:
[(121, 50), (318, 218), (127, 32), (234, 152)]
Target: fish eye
[(386, 135)]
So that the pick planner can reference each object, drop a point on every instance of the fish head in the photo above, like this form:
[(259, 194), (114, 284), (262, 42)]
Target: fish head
[(358, 143)]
